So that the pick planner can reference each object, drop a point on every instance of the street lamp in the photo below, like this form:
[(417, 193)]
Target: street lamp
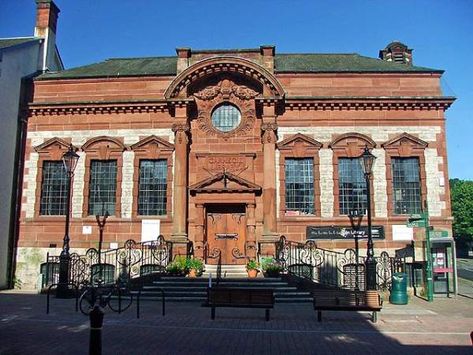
[(356, 216), (367, 161), (70, 161)]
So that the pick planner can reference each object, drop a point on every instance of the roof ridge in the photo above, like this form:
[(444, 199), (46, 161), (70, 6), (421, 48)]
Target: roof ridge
[(26, 37), (134, 58), (316, 54)]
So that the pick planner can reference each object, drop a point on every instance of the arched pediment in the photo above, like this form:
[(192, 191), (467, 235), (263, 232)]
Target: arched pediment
[(224, 64), (104, 147), (352, 144), (109, 142)]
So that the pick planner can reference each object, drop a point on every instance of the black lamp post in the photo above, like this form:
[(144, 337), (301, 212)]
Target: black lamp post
[(70, 161), (367, 160), (101, 220), (356, 216)]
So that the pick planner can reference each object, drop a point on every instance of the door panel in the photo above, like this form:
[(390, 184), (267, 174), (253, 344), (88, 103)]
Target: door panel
[(226, 226)]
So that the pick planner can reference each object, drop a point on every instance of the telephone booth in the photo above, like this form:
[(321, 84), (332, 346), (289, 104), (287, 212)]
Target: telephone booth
[(443, 266)]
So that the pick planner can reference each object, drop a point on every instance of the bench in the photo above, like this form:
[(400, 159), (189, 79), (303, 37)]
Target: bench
[(240, 297), (344, 300)]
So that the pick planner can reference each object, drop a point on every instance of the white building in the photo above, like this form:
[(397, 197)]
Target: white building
[(21, 59)]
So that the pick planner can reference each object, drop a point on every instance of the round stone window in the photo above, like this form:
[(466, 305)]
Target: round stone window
[(226, 117)]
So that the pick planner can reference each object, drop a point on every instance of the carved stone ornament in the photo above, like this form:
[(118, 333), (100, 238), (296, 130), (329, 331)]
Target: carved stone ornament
[(226, 91), (269, 132), (181, 130), (226, 88)]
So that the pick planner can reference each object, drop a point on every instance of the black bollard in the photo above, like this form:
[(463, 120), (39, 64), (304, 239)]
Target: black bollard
[(96, 322)]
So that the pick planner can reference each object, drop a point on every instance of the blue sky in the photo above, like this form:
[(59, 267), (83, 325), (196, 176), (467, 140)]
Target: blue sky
[(440, 32)]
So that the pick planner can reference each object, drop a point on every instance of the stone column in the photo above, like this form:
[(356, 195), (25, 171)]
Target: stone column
[(269, 180), (179, 217)]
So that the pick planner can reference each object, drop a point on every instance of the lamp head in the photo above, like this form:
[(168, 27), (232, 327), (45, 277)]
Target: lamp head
[(367, 161), (355, 215), (70, 159)]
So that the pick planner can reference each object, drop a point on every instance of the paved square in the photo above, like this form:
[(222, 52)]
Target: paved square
[(442, 327)]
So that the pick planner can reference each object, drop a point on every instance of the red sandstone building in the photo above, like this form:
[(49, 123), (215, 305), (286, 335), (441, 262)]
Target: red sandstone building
[(247, 144)]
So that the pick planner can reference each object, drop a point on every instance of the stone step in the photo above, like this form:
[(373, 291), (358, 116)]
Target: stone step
[(222, 283), (205, 279), (200, 288)]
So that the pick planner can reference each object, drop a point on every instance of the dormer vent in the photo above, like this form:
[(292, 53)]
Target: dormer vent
[(396, 52)]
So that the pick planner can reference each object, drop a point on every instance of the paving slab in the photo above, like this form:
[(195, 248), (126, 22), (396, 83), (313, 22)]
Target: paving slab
[(440, 327)]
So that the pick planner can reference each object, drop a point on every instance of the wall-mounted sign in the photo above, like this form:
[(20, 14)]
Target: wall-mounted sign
[(150, 229), (340, 232)]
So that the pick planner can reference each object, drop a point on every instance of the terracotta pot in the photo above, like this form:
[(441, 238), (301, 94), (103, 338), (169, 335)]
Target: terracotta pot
[(372, 298), (192, 273), (252, 273)]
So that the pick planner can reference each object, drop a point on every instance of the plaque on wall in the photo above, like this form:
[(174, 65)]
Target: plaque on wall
[(341, 232)]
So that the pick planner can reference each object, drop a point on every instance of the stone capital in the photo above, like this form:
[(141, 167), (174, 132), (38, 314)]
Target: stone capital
[(269, 132)]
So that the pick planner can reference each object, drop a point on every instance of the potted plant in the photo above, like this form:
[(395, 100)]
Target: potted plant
[(271, 267), (252, 267), (195, 267), (177, 267)]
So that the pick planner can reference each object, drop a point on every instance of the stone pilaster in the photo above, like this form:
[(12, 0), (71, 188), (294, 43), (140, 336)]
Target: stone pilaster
[(250, 231), (179, 217), (269, 129), (199, 232)]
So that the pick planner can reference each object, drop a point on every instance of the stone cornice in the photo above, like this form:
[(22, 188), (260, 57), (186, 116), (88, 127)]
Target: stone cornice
[(90, 107), (368, 103), (98, 107)]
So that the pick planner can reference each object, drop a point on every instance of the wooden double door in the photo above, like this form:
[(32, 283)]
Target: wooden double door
[(226, 233)]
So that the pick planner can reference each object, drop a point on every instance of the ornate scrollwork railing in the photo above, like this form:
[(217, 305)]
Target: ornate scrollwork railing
[(333, 268), (122, 264)]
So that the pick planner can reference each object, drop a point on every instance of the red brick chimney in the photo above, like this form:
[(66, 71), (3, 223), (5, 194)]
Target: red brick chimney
[(46, 20)]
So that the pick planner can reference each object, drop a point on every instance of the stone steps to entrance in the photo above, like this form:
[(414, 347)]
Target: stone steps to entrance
[(227, 271), (184, 289)]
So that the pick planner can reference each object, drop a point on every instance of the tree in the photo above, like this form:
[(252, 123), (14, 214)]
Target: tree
[(461, 192)]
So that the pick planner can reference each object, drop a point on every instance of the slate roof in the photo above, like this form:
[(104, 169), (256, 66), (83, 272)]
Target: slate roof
[(10, 42), (284, 63)]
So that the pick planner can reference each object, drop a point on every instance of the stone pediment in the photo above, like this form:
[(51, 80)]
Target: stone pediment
[(405, 139), (225, 182), (299, 145)]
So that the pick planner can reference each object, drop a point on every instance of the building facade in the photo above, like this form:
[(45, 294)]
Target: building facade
[(230, 149), (21, 59)]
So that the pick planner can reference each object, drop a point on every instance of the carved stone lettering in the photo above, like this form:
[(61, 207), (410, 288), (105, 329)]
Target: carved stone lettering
[(228, 163)]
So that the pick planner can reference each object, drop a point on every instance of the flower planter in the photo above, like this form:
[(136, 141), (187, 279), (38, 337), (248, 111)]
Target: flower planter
[(192, 273), (252, 273)]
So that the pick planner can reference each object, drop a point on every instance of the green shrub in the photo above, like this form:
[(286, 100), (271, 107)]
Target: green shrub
[(178, 266), (271, 266), (252, 265), (195, 264)]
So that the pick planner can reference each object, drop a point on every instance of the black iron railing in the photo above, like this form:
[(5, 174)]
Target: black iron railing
[(332, 268), (116, 265)]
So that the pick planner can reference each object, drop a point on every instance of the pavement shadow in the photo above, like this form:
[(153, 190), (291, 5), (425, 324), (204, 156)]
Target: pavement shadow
[(187, 329)]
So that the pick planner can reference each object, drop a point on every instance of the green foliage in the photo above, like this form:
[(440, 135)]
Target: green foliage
[(462, 209), (271, 267), (178, 266), (17, 283), (252, 265), (195, 264)]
